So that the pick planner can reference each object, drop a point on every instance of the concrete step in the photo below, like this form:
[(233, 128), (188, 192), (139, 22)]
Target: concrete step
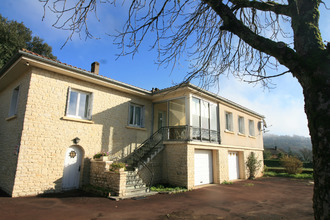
[(132, 191), (135, 186), (134, 181), (135, 196)]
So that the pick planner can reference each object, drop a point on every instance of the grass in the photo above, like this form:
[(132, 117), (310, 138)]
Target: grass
[(227, 182), (282, 170), (168, 188), (295, 176)]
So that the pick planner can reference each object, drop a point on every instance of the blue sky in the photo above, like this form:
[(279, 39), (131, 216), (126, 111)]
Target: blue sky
[(282, 106)]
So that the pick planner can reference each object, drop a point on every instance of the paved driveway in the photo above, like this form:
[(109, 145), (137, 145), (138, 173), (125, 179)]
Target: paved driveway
[(265, 198)]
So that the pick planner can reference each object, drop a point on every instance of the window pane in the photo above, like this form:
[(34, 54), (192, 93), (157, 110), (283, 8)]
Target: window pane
[(213, 117), (177, 112), (131, 115), (205, 115), (160, 115), (241, 125), (73, 103), (137, 115), (13, 103), (229, 121), (251, 127), (83, 105), (195, 111)]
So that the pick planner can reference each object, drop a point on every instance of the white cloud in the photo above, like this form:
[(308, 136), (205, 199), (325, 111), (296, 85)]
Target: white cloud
[(283, 107)]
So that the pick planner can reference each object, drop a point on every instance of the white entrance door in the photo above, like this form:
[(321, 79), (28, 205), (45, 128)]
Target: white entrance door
[(203, 167), (233, 165), (72, 167)]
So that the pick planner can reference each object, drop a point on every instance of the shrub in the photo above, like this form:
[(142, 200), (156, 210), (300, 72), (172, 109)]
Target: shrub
[(252, 165), (117, 165), (227, 182), (291, 164), (100, 154)]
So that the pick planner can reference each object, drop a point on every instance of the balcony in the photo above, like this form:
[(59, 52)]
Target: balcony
[(189, 133)]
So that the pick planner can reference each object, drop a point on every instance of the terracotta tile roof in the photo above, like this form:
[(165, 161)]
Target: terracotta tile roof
[(57, 61), (77, 68)]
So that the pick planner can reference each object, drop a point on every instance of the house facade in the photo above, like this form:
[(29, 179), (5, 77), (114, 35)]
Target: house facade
[(55, 117)]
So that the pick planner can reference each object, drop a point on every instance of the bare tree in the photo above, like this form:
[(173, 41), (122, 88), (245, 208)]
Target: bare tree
[(246, 38), (306, 155)]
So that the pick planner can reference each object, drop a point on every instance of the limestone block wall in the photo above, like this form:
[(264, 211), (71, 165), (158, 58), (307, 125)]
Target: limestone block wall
[(11, 130), (179, 167), (233, 138), (47, 132), (101, 176), (175, 165), (259, 156), (156, 169)]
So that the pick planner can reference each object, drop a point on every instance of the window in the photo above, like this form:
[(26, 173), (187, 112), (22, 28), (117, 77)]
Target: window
[(79, 104), (241, 129), (251, 127), (195, 111), (229, 121), (14, 102), (204, 120), (136, 113)]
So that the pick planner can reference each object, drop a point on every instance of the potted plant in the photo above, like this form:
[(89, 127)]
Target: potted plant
[(101, 156), (118, 166)]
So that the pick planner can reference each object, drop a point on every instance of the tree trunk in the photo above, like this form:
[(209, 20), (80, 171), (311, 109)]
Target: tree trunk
[(317, 107)]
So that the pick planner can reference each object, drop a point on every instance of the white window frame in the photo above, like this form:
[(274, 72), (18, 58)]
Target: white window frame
[(88, 113), (251, 128), (241, 125), (14, 102), (229, 121), (135, 124)]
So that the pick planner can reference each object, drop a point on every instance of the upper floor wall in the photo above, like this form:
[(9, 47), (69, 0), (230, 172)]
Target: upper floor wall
[(103, 118), (208, 118)]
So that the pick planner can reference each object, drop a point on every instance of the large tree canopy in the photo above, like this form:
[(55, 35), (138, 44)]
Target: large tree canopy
[(15, 36), (247, 38)]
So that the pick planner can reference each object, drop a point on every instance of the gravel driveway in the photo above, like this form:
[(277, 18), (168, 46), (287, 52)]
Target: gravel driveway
[(265, 198)]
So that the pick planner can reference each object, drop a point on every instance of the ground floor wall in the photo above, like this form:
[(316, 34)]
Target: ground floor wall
[(152, 173), (179, 162), (100, 176)]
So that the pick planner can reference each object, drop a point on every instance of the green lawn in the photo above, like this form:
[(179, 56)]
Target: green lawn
[(296, 176)]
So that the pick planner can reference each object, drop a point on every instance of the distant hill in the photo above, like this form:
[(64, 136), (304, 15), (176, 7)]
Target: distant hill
[(286, 142)]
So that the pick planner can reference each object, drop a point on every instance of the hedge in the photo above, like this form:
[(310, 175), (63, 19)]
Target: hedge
[(276, 163)]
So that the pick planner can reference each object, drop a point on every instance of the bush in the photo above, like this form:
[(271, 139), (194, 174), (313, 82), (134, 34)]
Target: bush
[(252, 165), (291, 164), (117, 165), (101, 154)]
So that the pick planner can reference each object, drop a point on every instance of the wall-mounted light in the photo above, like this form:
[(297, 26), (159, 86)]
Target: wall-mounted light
[(76, 140)]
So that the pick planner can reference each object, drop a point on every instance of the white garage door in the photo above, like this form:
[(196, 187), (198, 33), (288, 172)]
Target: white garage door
[(233, 165), (203, 167)]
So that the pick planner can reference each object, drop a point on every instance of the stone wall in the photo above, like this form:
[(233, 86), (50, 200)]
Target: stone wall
[(179, 168), (47, 132), (101, 176), (156, 169), (11, 130), (175, 166)]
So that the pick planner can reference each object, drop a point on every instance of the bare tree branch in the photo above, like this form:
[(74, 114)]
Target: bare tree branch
[(262, 6)]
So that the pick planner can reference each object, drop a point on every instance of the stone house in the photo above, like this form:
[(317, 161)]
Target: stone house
[(54, 117)]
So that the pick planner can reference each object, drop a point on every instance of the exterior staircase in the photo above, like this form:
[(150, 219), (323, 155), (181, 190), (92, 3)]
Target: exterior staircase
[(138, 160), (134, 184)]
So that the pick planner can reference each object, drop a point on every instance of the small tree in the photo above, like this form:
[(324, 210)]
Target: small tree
[(252, 165), (291, 164)]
